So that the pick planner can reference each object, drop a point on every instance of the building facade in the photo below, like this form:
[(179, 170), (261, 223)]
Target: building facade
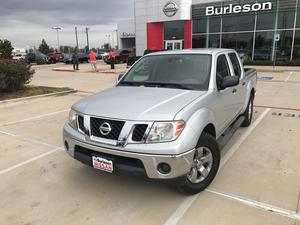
[(257, 29), (126, 33)]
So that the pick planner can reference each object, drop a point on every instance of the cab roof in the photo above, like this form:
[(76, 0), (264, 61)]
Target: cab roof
[(211, 51)]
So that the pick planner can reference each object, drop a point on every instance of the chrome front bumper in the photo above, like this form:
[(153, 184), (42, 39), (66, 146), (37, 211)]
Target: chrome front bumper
[(180, 164)]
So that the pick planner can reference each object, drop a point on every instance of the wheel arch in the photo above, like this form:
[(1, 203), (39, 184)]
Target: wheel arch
[(210, 129)]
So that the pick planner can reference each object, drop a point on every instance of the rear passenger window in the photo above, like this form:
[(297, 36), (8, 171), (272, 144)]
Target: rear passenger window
[(235, 63), (222, 69)]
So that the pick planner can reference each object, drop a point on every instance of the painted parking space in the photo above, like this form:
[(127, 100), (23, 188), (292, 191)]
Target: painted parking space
[(266, 167), (212, 209), (59, 190), (15, 112), (278, 94), (15, 151), (47, 129)]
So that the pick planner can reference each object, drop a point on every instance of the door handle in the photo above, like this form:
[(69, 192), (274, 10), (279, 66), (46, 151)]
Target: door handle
[(234, 90), (244, 83)]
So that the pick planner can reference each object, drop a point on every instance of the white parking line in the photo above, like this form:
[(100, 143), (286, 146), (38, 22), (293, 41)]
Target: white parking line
[(238, 143), (29, 161), (34, 117), (259, 205), (30, 140), (186, 204), (288, 77)]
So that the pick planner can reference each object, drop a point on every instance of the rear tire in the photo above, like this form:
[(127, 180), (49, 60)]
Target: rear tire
[(248, 114), (205, 167)]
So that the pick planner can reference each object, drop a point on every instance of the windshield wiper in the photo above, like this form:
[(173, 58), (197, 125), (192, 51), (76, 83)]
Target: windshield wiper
[(129, 83), (167, 85)]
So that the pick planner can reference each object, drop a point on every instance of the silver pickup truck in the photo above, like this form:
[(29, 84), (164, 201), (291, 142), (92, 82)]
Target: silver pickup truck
[(165, 116)]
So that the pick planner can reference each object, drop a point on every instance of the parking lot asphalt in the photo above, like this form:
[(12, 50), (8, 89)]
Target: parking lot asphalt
[(258, 182)]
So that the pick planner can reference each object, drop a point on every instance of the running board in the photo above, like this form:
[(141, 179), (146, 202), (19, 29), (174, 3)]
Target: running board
[(225, 137)]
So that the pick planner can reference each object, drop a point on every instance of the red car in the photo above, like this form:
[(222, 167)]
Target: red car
[(121, 56), (56, 57)]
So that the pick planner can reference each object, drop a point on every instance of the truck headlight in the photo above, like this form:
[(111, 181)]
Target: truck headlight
[(73, 119), (165, 131)]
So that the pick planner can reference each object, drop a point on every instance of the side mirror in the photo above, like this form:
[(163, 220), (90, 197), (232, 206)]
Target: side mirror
[(229, 81), (120, 76)]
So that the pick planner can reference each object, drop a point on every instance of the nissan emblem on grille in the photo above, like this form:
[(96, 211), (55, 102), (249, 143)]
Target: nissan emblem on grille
[(105, 128)]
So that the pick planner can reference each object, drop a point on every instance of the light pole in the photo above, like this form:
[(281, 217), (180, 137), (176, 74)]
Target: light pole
[(76, 35), (57, 29), (87, 38), (108, 39), (117, 38)]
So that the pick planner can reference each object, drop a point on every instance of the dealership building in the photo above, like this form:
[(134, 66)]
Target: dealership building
[(257, 29)]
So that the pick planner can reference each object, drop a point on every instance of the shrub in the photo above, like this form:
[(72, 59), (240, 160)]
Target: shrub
[(41, 61), (14, 75)]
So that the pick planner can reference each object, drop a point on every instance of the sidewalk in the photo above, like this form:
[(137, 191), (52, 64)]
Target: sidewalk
[(276, 69)]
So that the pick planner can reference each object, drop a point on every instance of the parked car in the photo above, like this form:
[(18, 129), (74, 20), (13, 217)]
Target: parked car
[(133, 58), (175, 106), (121, 56), (82, 57), (103, 54), (56, 57), (35, 57), (19, 56)]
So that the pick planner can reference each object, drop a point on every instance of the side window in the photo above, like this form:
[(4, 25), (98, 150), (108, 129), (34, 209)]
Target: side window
[(235, 63), (222, 69)]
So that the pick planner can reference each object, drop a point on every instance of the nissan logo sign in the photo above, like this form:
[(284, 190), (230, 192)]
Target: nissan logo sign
[(105, 128), (170, 9)]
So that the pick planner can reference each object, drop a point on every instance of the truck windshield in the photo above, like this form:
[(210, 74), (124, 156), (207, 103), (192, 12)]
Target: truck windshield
[(183, 71)]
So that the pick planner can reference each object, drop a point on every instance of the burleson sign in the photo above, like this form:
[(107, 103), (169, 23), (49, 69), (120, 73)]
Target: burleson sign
[(230, 9)]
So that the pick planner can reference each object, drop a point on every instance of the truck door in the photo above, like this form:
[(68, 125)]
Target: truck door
[(240, 95), (224, 105)]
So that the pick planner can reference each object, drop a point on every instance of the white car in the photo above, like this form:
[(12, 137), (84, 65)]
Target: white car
[(19, 56)]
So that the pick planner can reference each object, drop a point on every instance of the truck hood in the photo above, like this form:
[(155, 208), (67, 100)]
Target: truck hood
[(137, 103)]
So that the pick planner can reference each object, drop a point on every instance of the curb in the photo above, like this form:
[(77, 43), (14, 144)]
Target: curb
[(63, 70), (38, 96)]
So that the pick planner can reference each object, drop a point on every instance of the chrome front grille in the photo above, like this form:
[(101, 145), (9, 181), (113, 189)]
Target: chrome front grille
[(113, 132), (114, 128)]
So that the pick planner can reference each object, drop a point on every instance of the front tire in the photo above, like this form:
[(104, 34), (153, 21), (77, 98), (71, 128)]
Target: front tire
[(204, 167)]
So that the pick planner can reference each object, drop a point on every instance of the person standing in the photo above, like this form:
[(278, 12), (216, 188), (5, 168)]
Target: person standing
[(111, 56), (93, 61), (75, 60)]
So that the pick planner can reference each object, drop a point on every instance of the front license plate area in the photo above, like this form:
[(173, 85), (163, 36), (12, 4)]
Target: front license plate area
[(103, 164)]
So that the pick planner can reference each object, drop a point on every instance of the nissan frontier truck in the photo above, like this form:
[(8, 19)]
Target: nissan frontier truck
[(163, 119)]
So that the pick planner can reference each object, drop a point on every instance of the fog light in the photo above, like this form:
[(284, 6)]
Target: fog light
[(164, 168), (66, 145)]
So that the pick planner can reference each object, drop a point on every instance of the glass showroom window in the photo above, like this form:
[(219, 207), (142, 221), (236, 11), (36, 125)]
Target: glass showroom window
[(286, 14), (199, 41), (263, 45), (199, 25), (284, 45), (232, 23), (174, 30), (241, 42), (298, 16), (214, 41), (296, 52), (214, 24), (265, 21)]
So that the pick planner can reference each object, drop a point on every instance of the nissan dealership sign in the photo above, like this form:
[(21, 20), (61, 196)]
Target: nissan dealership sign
[(232, 9), (170, 9)]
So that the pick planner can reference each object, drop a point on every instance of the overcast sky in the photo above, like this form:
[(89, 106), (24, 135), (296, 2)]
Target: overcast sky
[(26, 22)]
